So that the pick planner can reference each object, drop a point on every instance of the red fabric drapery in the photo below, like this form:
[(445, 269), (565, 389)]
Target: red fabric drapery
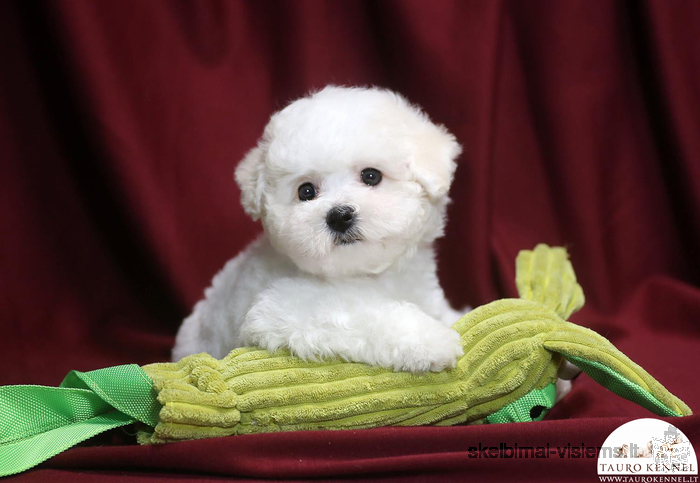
[(121, 122)]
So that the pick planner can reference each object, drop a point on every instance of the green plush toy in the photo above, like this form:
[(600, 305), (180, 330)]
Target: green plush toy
[(513, 349)]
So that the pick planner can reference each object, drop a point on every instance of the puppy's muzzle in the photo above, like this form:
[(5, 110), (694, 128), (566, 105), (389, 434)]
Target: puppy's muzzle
[(341, 218)]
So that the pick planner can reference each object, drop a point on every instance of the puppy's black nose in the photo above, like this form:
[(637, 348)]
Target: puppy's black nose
[(340, 218)]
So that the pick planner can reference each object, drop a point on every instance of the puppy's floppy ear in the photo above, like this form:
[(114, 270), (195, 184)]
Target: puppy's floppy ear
[(434, 163), (250, 177)]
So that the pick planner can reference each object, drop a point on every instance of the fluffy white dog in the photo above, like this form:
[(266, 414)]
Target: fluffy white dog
[(351, 186)]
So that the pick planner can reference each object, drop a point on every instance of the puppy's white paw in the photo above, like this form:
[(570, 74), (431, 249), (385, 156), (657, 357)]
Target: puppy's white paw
[(432, 351), (563, 388)]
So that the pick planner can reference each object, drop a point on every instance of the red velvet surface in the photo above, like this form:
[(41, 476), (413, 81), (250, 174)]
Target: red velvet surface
[(121, 122)]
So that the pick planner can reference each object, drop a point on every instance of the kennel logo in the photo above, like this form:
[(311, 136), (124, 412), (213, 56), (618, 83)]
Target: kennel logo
[(647, 447)]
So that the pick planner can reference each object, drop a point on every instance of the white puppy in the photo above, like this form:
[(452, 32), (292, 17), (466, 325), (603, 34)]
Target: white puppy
[(351, 187)]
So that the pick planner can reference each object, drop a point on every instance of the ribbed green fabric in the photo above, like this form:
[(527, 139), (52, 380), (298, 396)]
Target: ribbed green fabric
[(545, 275), (512, 351), (38, 422), (253, 390)]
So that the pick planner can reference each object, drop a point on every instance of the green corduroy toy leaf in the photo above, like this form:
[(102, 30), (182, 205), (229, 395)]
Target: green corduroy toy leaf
[(512, 351)]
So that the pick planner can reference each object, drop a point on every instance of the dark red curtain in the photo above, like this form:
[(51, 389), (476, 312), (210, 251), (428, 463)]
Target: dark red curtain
[(121, 123)]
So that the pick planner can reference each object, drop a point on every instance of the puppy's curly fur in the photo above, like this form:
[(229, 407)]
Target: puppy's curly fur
[(365, 290)]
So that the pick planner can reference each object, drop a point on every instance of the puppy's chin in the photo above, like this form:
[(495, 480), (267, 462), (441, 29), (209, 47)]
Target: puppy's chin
[(348, 238), (353, 257)]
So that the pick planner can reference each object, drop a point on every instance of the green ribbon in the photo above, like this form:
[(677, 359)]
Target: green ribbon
[(38, 422)]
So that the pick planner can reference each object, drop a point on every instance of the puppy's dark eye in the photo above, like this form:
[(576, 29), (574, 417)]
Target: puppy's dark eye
[(371, 176), (307, 192)]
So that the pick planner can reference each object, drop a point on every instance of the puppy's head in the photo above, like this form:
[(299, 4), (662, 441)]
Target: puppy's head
[(348, 181)]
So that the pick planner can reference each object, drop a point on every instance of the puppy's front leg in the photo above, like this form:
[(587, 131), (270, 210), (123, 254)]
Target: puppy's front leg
[(316, 320)]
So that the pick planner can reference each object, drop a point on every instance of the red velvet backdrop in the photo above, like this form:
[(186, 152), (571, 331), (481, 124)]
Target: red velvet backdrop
[(121, 123)]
